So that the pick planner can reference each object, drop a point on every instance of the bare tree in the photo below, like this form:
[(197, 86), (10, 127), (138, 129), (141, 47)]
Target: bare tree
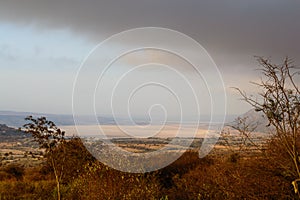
[(279, 100), (238, 137), (50, 138)]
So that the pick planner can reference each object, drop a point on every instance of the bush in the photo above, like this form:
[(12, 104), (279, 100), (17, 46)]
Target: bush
[(101, 181), (17, 171), (27, 190)]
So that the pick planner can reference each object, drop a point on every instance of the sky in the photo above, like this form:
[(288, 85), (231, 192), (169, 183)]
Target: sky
[(44, 43)]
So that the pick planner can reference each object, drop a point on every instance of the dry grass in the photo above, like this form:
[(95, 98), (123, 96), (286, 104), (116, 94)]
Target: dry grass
[(218, 176)]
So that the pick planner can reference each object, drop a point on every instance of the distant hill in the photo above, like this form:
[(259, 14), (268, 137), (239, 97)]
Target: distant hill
[(16, 119), (5, 130), (10, 133), (256, 119)]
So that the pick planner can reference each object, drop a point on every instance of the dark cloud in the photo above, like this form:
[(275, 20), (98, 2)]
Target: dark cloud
[(237, 29), (233, 31)]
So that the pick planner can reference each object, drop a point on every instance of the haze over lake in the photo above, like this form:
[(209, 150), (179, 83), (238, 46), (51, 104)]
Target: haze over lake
[(163, 131)]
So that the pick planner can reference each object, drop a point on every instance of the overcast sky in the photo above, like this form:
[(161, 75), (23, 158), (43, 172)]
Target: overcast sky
[(42, 44)]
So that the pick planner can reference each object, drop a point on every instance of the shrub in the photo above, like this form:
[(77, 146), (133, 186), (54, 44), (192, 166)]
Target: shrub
[(17, 171)]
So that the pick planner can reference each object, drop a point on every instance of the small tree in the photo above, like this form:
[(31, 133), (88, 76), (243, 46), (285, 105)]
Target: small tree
[(49, 138), (279, 100), (238, 137)]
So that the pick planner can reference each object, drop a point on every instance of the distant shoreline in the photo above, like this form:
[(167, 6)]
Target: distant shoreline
[(125, 131)]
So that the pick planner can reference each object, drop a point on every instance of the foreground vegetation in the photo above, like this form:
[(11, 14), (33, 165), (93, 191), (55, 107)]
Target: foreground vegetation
[(187, 178)]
